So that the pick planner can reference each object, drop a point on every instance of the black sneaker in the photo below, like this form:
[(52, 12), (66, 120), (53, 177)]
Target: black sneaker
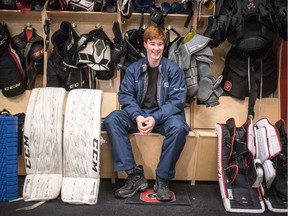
[(134, 183), (161, 187)]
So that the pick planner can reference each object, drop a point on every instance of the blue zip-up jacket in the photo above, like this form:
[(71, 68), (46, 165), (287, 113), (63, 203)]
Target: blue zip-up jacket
[(171, 90)]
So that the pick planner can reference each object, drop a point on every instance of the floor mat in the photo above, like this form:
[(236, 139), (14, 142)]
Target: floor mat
[(148, 197)]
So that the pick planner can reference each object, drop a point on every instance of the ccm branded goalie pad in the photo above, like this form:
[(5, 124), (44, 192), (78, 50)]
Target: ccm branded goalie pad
[(81, 147), (239, 174), (43, 144), (272, 151)]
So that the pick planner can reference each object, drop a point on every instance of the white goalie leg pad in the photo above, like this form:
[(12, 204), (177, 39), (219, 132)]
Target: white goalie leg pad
[(270, 172), (272, 139), (259, 172), (256, 170), (39, 187), (81, 147), (76, 190), (43, 144), (262, 145), (234, 196)]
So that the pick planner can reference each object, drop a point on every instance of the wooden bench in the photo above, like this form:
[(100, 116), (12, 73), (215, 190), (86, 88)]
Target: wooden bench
[(146, 148)]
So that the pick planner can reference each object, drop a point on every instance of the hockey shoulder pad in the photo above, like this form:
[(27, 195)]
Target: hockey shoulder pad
[(36, 55), (30, 48), (96, 54), (81, 147), (63, 75), (12, 76), (64, 42), (62, 70)]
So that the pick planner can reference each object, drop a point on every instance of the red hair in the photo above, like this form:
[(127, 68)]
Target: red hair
[(153, 32)]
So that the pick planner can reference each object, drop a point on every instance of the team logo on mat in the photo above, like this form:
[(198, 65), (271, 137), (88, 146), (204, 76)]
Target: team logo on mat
[(150, 196)]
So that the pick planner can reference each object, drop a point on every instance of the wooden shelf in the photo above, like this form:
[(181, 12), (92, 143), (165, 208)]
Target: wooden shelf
[(81, 16), (16, 15)]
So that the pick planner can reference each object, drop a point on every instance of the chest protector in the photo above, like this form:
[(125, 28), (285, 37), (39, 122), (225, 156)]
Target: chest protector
[(12, 77), (250, 27), (94, 50), (247, 24), (193, 57), (30, 48)]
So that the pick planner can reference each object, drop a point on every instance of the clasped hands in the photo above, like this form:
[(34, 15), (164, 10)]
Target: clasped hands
[(145, 125)]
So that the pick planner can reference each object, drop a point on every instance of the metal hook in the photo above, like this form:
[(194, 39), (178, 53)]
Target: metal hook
[(28, 25), (98, 26)]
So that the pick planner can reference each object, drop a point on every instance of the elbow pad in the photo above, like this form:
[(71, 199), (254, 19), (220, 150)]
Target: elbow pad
[(209, 88)]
